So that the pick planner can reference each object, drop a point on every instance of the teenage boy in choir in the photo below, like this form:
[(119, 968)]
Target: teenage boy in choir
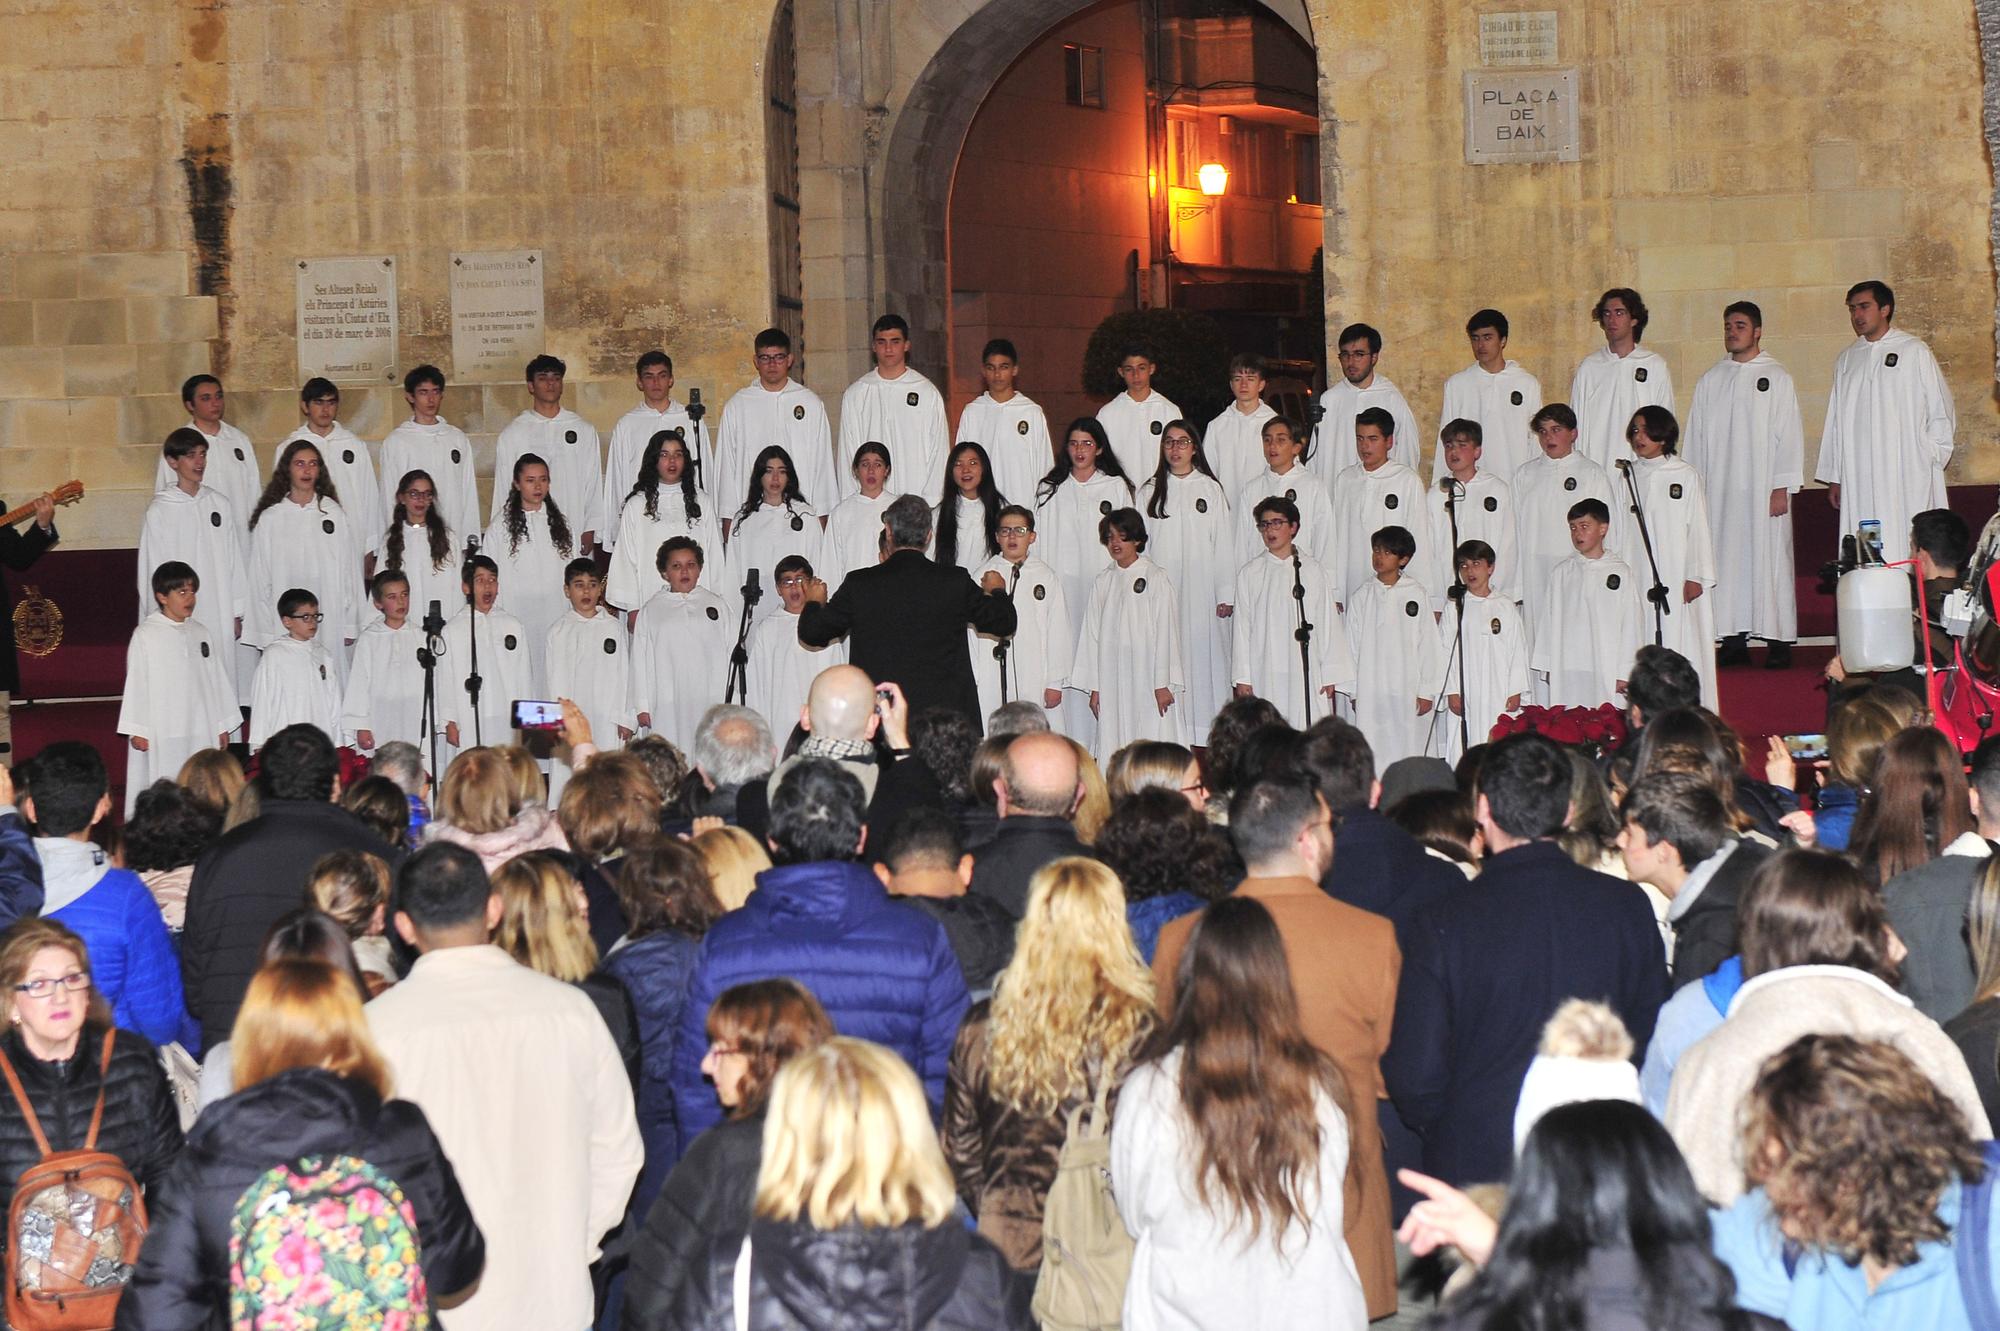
[(1398, 663), (1135, 419), (385, 685), (178, 698), (1038, 653), (655, 412), (1618, 378), (1377, 492), (427, 442), (589, 663), (1361, 389), (232, 468), (781, 667), (680, 646), (504, 672), (774, 410), (1585, 652), (1497, 393), (1496, 654), (1009, 424), (297, 681), (1285, 475), (195, 524), (893, 405), (1234, 440), (564, 440), (1545, 489), (1264, 655), (343, 454), (1676, 508), (1483, 504)]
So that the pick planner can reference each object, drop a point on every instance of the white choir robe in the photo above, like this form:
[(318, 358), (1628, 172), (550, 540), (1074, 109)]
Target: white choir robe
[(1044, 640), (1888, 436), (759, 541), (970, 540), (1588, 649), (1745, 436), (1503, 404), (205, 532), (905, 415), (854, 537), (531, 584), (441, 450), (297, 682), (1264, 647), (385, 686), (627, 449), (1484, 513), (1128, 646), (1604, 393), (429, 580), (347, 463), (1333, 442), (1135, 429), (1677, 520), (795, 420), (315, 546), (782, 669), (1066, 534), (1195, 544), (1317, 529), (576, 468), (635, 559), (1398, 662), (1364, 502), (1497, 653), (232, 471), (1545, 489), (1015, 435), (504, 678), (590, 663), (1234, 445), (178, 698), (680, 659)]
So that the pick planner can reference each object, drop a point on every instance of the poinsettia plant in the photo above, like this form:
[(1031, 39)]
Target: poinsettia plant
[(1598, 728)]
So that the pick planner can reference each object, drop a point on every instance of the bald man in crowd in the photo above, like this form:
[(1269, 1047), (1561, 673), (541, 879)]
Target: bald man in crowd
[(1038, 791), (840, 719)]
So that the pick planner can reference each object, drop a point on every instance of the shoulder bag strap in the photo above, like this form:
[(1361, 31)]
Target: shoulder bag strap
[(21, 1099), (1100, 1104), (103, 1085), (1973, 1248)]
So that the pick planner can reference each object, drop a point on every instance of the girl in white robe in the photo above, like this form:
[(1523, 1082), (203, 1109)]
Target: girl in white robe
[(178, 697), (680, 650), (300, 536), (1128, 655), (590, 663), (965, 516), (385, 687), (422, 546), (775, 520), (532, 544), (349, 467), (662, 502), (1676, 508), (1188, 526), (1085, 485), (854, 532)]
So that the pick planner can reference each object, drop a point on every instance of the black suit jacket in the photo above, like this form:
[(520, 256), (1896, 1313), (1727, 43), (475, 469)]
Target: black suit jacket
[(905, 621), (18, 550)]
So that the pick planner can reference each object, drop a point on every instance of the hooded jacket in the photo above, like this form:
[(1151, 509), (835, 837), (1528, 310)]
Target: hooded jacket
[(534, 828)]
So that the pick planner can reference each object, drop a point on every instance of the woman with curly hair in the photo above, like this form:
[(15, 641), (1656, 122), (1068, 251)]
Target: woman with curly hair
[(300, 536), (1171, 862), (531, 543), (663, 502), (168, 831), (1062, 1027), (420, 546)]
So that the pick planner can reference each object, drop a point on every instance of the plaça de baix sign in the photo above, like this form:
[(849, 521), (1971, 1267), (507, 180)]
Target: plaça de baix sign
[(1520, 116)]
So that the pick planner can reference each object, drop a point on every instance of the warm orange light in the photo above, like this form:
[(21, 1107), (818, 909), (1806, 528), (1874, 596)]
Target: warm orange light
[(1214, 177)]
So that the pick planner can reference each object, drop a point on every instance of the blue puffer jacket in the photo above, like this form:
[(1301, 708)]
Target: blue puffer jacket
[(656, 971), (882, 970)]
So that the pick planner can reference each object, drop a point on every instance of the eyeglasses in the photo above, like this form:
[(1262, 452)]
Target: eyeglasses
[(773, 357), (1013, 531), (314, 618), (421, 494), (1273, 524), (42, 988), (722, 1050), (796, 581)]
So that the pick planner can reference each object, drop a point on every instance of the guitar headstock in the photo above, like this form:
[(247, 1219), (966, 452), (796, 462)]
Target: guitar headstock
[(69, 492)]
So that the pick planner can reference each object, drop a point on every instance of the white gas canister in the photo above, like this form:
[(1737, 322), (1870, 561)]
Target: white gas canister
[(1876, 628)]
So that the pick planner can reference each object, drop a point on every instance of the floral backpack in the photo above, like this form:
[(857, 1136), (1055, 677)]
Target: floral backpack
[(325, 1242)]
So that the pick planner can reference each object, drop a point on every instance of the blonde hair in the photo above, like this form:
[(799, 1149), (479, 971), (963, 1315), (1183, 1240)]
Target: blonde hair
[(848, 1140), (479, 793), (1148, 764), (527, 775), (1094, 809), (540, 925), (1581, 1028), (1860, 727), (349, 886), (1075, 994), (609, 806), (734, 859), (211, 778), (300, 1012)]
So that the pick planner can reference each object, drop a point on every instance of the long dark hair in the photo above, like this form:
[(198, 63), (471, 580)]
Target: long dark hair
[(947, 512), (755, 499), (516, 517), (1249, 1077), (280, 483), (439, 538), (648, 483), (1916, 804), (1600, 1175), (1156, 507), (1107, 461)]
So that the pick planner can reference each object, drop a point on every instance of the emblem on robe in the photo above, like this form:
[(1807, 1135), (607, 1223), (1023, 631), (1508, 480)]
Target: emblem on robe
[(1890, 360), (611, 646), (569, 436), (713, 613), (1410, 609), (1200, 506), (509, 642), (1496, 626), (455, 459), (912, 398), (215, 519), (1612, 582), (1104, 508), (1392, 501), (1492, 503), (1640, 374), (1292, 495), (1569, 482), (1763, 385), (327, 526), (1041, 592), (38, 623), (347, 456), (798, 523), (1515, 397), (1156, 427), (799, 413), (1139, 586), (1674, 491), (204, 649), (1020, 427), (239, 455)]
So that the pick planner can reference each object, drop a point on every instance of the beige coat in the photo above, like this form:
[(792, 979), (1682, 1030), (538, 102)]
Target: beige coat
[(524, 1087), (1712, 1081)]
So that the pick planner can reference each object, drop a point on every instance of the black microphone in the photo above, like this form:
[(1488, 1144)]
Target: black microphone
[(695, 410), (752, 593), (1298, 578), (1624, 464), (434, 621)]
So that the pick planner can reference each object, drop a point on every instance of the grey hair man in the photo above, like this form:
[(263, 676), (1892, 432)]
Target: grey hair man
[(732, 748)]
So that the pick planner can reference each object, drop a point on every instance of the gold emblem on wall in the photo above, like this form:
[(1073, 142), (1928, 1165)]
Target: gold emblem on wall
[(38, 623)]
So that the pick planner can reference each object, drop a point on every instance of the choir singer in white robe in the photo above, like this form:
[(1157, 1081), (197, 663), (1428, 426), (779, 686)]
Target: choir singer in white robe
[(385, 687), (664, 502), (775, 410), (232, 464), (300, 536), (1545, 489), (1085, 486), (1128, 652), (1470, 503), (297, 681), (1617, 379), (1191, 536), (1495, 677), (343, 453), (1497, 393), (1286, 476), (429, 443), (894, 405), (1584, 654), (1398, 663), (422, 546), (178, 699), (775, 520), (565, 442), (1234, 440), (681, 646), (1378, 492), (191, 522), (1359, 390), (1037, 654), (1264, 654), (854, 532), (633, 436), (1010, 424), (531, 543), (1677, 522), (782, 668), (502, 664), (1135, 419), (590, 663)]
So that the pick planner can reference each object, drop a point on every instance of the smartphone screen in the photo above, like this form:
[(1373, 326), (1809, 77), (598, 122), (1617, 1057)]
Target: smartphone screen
[(531, 714), (1806, 748)]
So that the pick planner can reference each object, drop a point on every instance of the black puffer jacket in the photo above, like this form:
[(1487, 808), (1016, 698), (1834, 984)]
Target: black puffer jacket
[(858, 1279), (182, 1279), (141, 1125), (707, 1195)]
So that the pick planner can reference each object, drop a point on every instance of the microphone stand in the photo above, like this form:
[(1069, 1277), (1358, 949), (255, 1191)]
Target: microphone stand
[(1004, 648), (737, 687), (1657, 593), (427, 656), (1454, 490), (695, 411), (472, 681), (1303, 633), (1314, 415)]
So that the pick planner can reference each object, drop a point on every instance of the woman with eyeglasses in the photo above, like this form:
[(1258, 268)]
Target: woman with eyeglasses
[(421, 545)]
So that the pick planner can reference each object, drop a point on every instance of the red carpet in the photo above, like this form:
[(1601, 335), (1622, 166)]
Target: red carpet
[(1760, 702)]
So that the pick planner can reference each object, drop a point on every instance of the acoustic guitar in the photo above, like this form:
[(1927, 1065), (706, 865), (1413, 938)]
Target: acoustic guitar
[(66, 493)]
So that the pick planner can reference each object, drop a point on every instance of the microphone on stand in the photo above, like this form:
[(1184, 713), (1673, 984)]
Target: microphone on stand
[(434, 620), (695, 411), (1303, 633), (1624, 464)]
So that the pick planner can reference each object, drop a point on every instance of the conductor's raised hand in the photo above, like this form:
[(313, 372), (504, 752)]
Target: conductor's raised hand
[(816, 591), (993, 582)]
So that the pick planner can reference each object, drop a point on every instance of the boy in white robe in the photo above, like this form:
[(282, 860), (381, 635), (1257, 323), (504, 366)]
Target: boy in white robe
[(1617, 379), (178, 698), (1378, 492), (782, 668), (590, 664), (296, 680), (342, 452), (1264, 650), (894, 405), (1361, 389), (1234, 440), (1677, 523), (1009, 425), (1039, 651), (427, 442), (773, 410), (1585, 653), (566, 442), (233, 469), (1128, 653), (680, 646), (502, 664), (1497, 393), (1398, 663), (1286, 477), (1471, 501), (656, 411), (196, 525), (1135, 418), (384, 701), (1546, 488), (1495, 679)]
